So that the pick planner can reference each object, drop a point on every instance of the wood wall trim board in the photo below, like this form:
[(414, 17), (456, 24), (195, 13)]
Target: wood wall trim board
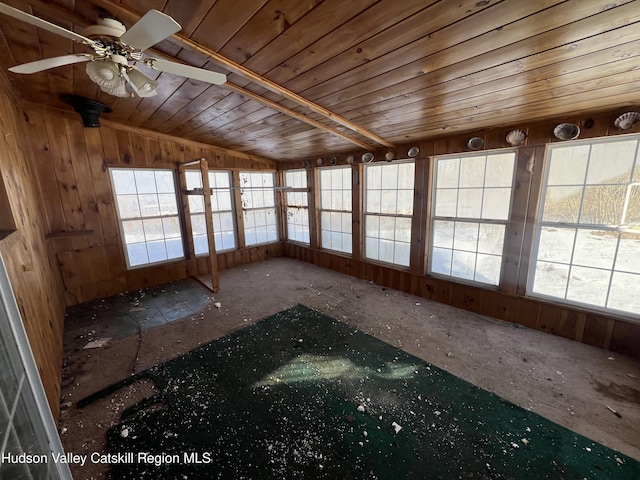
[(600, 330)]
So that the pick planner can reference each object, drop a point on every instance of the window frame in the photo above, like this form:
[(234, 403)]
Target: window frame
[(365, 214), (213, 209), (342, 212), (275, 208), (303, 190), (470, 220), (120, 220), (620, 229)]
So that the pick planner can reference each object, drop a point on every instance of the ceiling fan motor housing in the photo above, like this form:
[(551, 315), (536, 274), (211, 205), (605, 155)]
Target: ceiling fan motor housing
[(106, 27)]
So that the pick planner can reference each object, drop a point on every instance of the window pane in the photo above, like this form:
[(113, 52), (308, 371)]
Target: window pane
[(463, 264), (488, 269), (446, 203), (603, 205), (562, 204), (465, 236), (164, 181), (495, 204), (499, 170), (595, 248), (469, 202), (556, 244), (551, 279), (153, 229), (491, 238), (472, 171), (443, 234), (448, 173), (611, 162), (133, 231), (137, 253), (193, 179), (588, 285), (123, 182), (145, 181), (441, 261), (149, 205), (623, 287), (128, 206), (628, 258), (568, 165)]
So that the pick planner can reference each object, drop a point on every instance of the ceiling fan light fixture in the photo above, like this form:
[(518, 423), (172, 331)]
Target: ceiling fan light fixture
[(143, 85), (105, 74), (117, 91)]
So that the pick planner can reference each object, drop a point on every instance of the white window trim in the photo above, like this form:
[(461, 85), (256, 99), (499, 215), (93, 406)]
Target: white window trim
[(121, 229), (320, 210), (433, 218), (387, 215), (298, 207), (256, 209), (540, 224)]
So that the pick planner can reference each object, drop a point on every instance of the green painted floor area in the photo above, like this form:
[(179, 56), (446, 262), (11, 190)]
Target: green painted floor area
[(301, 395)]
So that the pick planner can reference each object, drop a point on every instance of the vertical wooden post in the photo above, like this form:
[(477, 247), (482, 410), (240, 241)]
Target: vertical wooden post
[(421, 216), (357, 211), (208, 213), (185, 217), (314, 212), (237, 200)]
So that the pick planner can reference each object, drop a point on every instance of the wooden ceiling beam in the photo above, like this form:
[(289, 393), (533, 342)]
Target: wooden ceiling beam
[(238, 69)]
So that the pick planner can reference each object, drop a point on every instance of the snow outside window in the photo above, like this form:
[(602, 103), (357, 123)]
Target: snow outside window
[(471, 203), (388, 211), (335, 209), (587, 243), (224, 225), (148, 213), (297, 206), (259, 207)]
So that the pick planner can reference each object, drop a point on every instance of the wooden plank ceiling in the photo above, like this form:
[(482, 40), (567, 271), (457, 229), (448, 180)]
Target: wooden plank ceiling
[(374, 73)]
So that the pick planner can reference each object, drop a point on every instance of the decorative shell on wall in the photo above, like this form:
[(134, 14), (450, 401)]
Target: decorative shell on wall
[(367, 157), (516, 137), (350, 159), (475, 143), (305, 164), (627, 120), (566, 131), (334, 160), (319, 162), (390, 155), (413, 152)]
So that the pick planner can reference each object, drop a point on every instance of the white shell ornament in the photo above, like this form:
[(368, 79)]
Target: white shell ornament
[(627, 120), (475, 143), (367, 157), (566, 131), (350, 159), (516, 137), (413, 152), (319, 162)]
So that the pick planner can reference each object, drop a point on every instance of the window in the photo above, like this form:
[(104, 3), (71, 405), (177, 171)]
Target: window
[(471, 203), (587, 244), (148, 213), (224, 228), (297, 206), (25, 418), (259, 207), (335, 209), (388, 211)]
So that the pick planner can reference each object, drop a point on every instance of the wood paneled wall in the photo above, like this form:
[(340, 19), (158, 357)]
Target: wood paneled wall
[(72, 164), (509, 303), (33, 272)]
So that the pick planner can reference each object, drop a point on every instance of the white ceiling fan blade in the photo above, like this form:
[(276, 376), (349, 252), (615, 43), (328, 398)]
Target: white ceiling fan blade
[(152, 28), (38, 22), (47, 63), (186, 71)]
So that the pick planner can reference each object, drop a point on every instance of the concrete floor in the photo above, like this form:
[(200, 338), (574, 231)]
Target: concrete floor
[(567, 382)]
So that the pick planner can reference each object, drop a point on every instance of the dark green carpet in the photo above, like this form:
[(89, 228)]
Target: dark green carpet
[(279, 400)]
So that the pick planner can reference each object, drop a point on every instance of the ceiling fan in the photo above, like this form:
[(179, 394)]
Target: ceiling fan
[(114, 47)]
